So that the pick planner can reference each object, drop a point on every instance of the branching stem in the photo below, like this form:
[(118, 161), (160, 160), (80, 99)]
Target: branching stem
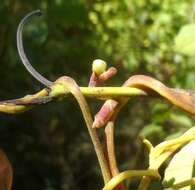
[(69, 84)]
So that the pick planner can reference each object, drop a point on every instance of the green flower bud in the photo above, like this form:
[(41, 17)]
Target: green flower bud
[(99, 66)]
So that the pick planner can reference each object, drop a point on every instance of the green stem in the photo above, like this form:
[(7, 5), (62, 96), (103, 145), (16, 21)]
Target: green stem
[(128, 174), (145, 182), (100, 92), (184, 184), (111, 91)]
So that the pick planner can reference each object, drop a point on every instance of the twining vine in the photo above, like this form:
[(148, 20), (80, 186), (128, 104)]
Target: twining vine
[(115, 98)]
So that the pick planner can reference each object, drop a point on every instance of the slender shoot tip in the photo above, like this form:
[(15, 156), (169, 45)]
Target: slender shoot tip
[(22, 54)]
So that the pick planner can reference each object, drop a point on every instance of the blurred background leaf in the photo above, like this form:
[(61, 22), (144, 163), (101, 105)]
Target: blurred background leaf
[(185, 40)]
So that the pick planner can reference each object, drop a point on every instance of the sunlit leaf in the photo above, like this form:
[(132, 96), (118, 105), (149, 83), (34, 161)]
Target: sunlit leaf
[(185, 40), (180, 167)]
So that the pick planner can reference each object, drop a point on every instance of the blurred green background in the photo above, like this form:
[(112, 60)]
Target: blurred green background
[(49, 146)]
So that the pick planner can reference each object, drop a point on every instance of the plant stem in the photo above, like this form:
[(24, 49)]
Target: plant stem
[(101, 92), (111, 91), (69, 84), (109, 133), (110, 149), (184, 184), (145, 182), (128, 174)]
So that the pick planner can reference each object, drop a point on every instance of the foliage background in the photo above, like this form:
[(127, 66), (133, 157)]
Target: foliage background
[(49, 147)]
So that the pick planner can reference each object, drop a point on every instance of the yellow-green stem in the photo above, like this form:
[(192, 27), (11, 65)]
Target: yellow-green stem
[(128, 174), (145, 182), (101, 92), (184, 184)]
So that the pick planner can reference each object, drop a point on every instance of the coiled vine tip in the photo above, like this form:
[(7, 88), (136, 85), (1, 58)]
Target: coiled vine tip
[(22, 54)]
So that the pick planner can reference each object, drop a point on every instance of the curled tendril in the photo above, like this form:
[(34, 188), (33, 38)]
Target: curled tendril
[(22, 54), (129, 174)]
